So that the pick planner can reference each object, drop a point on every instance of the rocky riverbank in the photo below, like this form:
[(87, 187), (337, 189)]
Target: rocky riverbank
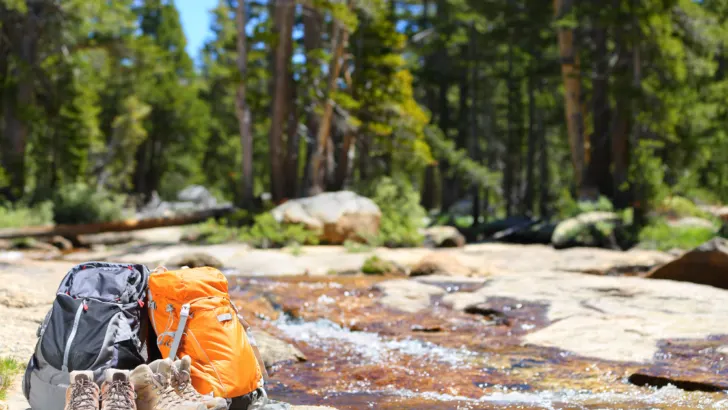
[(528, 327)]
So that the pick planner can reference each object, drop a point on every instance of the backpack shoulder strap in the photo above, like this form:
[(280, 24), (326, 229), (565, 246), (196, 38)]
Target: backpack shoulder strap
[(183, 315)]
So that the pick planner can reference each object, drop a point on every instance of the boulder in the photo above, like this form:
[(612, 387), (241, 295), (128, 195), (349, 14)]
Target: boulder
[(588, 229), (274, 350), (440, 263), (194, 260), (336, 216), (199, 195), (444, 237), (407, 295), (707, 265)]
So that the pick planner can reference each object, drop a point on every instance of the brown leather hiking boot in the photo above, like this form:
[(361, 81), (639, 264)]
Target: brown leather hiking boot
[(183, 386), (154, 390), (82, 393), (117, 393)]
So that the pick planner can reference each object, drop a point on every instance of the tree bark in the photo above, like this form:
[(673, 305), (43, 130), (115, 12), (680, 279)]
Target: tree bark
[(312, 28), (544, 194), (600, 143), (16, 124), (570, 70), (340, 38), (531, 150), (343, 167), (474, 140), (509, 177), (292, 143), (243, 111), (283, 19)]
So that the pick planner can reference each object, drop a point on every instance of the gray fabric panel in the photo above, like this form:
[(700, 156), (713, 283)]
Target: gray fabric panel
[(48, 390)]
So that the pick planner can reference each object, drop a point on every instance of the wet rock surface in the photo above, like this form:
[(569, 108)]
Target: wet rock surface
[(502, 342)]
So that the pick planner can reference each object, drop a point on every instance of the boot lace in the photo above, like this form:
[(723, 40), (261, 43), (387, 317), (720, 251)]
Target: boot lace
[(82, 396), (118, 396), (169, 397), (181, 382)]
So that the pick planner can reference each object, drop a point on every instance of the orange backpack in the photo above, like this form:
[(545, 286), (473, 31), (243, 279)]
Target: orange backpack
[(191, 313)]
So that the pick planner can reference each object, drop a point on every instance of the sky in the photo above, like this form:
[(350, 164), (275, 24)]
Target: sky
[(195, 16)]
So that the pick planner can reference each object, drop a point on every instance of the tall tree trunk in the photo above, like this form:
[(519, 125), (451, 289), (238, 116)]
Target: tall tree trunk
[(544, 196), (340, 39), (620, 127), (343, 167), (293, 141), (429, 192), (473, 140), (243, 111), (312, 30), (530, 154), (446, 197), (510, 173), (600, 143), (570, 70), (283, 20), (16, 122)]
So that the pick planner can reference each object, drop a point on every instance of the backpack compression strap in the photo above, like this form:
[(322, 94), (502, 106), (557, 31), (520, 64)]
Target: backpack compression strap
[(183, 315)]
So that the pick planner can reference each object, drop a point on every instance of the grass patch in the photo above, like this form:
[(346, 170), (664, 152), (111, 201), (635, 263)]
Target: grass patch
[(20, 216), (9, 368), (664, 237)]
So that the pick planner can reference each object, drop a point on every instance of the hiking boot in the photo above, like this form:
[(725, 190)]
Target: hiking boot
[(181, 383), (154, 388), (82, 393), (117, 393)]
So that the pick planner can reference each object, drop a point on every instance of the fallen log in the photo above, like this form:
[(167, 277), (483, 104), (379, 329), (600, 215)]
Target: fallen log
[(72, 231)]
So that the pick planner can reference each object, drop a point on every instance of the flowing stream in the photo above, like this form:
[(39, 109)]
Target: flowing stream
[(361, 355)]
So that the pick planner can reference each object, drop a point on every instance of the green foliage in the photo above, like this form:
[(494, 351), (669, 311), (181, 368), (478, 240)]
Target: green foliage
[(375, 265), (264, 233), (79, 203), (660, 235), (9, 368), (16, 216), (681, 207), (402, 214), (569, 208)]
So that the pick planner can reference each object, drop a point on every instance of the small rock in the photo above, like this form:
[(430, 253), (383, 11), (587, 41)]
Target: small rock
[(274, 350), (374, 265), (426, 329), (440, 263), (61, 243), (705, 265), (5, 245), (194, 260), (483, 309), (444, 237)]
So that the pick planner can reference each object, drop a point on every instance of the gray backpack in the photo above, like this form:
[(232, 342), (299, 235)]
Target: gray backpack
[(97, 322)]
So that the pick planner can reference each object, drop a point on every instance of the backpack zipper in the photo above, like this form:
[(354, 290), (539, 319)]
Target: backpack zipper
[(83, 307)]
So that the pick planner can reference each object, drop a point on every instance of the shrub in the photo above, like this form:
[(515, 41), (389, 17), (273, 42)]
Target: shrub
[(402, 215), (375, 265), (356, 247), (79, 203), (660, 235), (19, 215), (681, 207), (265, 232)]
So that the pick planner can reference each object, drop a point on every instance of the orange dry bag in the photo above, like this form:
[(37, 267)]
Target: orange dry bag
[(191, 313)]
